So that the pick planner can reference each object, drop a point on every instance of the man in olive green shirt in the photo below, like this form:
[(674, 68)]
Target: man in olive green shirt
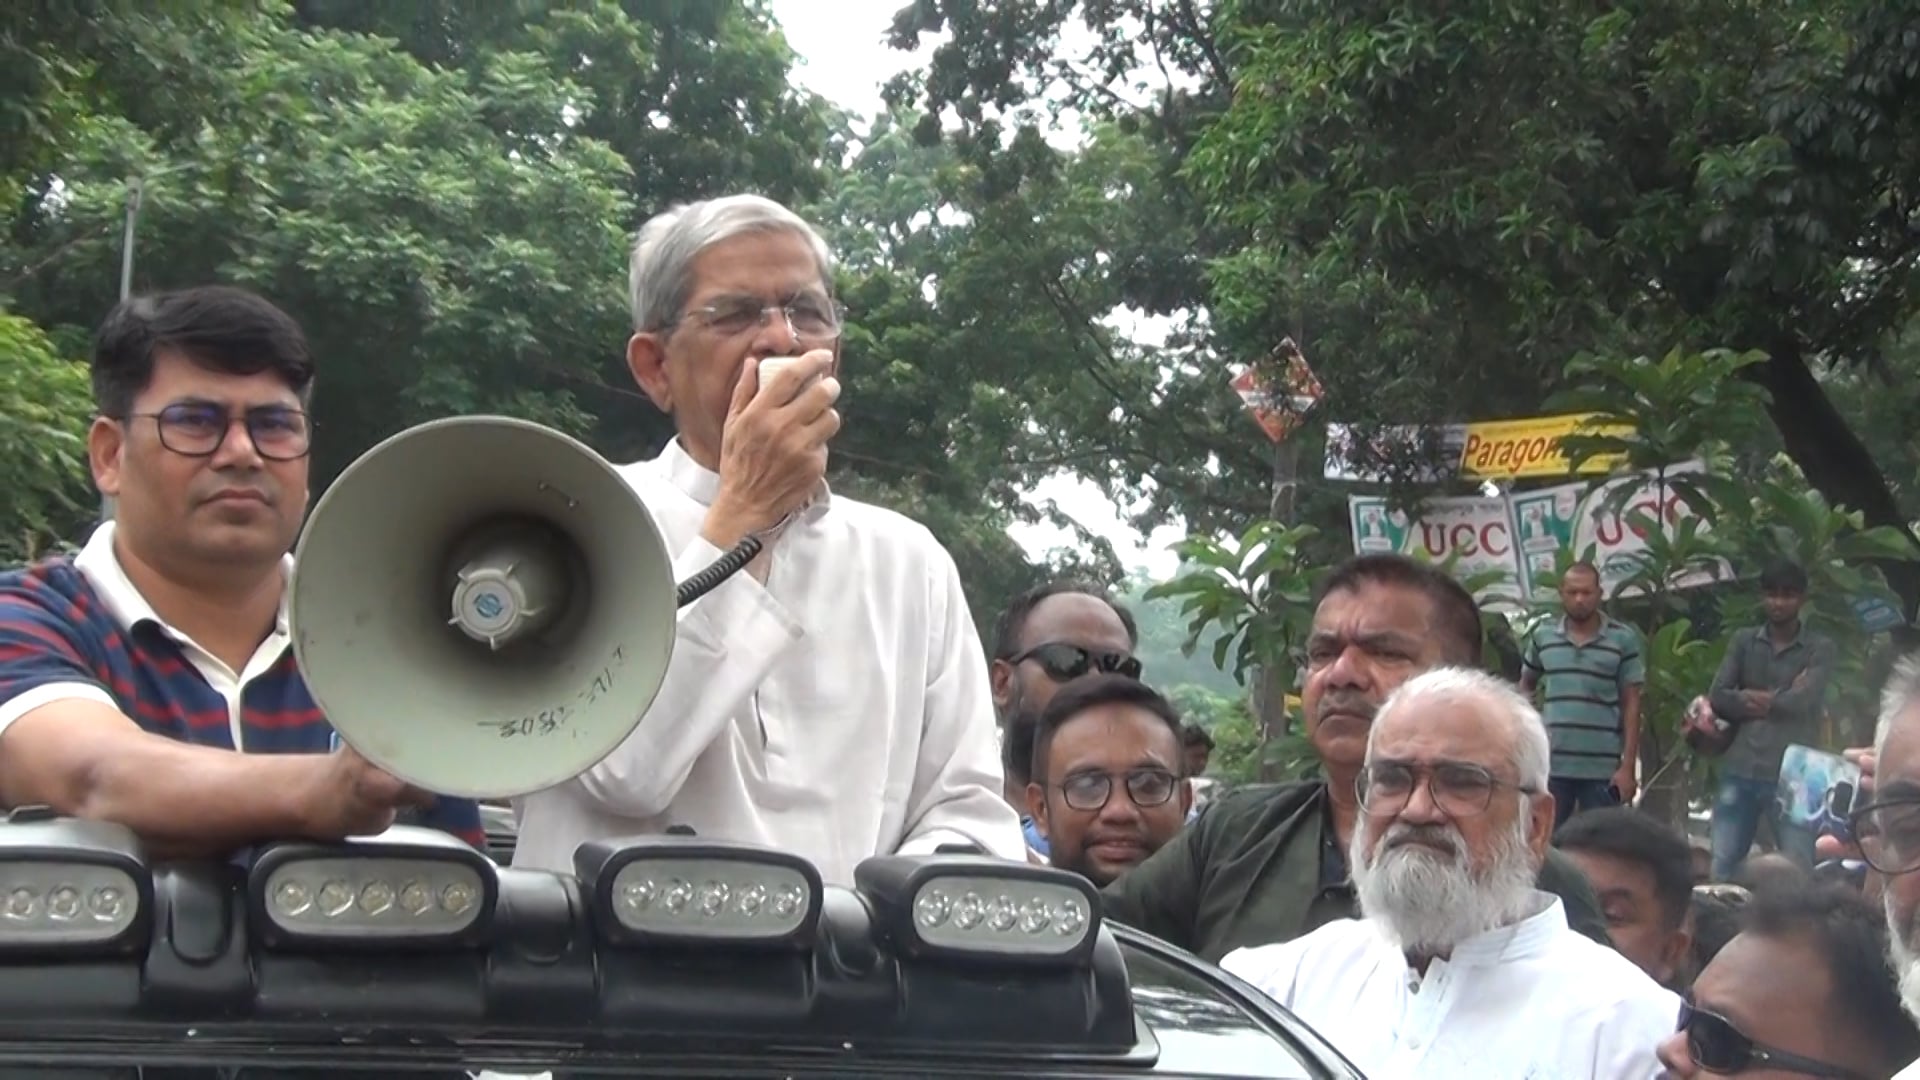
[(1267, 864)]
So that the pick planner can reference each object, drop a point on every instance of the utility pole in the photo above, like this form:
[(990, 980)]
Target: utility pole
[(136, 188)]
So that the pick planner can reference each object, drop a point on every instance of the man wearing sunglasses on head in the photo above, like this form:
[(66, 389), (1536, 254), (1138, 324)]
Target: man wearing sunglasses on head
[(150, 679), (1047, 637), (1108, 784), (1803, 990)]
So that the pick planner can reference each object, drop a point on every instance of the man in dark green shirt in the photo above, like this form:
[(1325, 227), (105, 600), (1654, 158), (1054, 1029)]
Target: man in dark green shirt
[(1772, 686), (1267, 864)]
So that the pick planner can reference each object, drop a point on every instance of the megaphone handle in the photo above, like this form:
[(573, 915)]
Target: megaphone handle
[(723, 568)]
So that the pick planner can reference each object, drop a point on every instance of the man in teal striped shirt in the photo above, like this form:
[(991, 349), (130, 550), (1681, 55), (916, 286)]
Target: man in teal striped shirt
[(1587, 669)]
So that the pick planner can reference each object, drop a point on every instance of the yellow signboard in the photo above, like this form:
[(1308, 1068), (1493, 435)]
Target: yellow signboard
[(1509, 449)]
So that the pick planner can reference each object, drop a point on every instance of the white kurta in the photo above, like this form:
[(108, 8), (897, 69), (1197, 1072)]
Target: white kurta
[(839, 712), (1532, 1001), (1911, 1072)]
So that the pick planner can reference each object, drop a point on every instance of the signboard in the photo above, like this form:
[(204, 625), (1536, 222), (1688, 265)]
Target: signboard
[(1522, 536), (1492, 449), (1280, 414)]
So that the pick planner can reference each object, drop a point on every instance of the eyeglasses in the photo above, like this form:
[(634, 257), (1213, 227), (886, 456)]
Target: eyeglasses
[(1888, 834), (1092, 790), (1063, 662), (197, 429), (1719, 1047), (812, 318), (1459, 789)]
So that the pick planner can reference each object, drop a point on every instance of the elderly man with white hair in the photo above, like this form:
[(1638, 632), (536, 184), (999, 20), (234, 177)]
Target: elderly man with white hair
[(1888, 829), (1458, 965), (833, 700)]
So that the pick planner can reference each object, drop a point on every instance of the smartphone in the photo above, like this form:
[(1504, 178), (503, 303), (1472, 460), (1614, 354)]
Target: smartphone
[(1817, 790)]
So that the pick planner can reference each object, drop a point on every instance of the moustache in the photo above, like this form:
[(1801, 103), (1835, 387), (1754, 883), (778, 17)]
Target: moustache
[(1439, 837), (1346, 703)]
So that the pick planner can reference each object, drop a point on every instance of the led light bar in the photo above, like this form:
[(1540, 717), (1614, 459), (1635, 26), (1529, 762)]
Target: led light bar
[(406, 886), (71, 886), (679, 889), (985, 909)]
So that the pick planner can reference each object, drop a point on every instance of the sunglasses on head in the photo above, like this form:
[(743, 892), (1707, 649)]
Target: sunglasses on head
[(1719, 1047), (1062, 662)]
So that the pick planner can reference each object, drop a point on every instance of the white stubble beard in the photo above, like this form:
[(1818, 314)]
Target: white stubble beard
[(1905, 960), (1429, 903)]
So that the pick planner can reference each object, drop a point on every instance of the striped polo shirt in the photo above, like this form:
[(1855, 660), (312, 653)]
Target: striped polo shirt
[(1581, 686), (77, 628)]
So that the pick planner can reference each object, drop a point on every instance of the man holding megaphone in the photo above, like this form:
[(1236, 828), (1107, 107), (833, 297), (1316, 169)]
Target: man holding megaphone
[(149, 680), (832, 701)]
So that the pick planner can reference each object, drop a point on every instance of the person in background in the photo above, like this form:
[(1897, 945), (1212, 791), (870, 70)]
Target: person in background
[(1588, 670), (1198, 750), (1458, 966), (1714, 919), (1047, 637), (1768, 872), (1772, 687), (150, 679), (1108, 785), (1802, 990), (1268, 862), (831, 700), (1643, 874)]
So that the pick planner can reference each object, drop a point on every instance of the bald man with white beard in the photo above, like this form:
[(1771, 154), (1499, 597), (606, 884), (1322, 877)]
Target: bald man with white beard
[(1459, 966)]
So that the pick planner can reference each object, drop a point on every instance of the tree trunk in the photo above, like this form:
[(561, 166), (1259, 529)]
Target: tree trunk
[(1270, 692)]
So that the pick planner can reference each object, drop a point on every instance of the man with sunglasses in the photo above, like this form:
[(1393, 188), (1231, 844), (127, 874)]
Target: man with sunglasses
[(1458, 965), (1108, 784), (832, 700), (149, 680), (1802, 990), (1268, 862)]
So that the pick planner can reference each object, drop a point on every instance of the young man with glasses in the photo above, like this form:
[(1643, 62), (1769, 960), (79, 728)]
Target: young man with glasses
[(131, 673), (1108, 787), (832, 701), (1802, 990), (1458, 965)]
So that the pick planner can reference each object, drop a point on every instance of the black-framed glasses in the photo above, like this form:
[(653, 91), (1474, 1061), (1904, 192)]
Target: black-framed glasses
[(1719, 1047), (1063, 662), (1888, 834), (1460, 789), (1091, 790), (810, 317), (196, 429)]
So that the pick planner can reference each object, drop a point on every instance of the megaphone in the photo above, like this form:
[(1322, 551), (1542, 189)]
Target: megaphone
[(482, 606)]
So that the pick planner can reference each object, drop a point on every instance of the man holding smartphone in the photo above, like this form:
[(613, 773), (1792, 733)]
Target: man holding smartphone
[(833, 700)]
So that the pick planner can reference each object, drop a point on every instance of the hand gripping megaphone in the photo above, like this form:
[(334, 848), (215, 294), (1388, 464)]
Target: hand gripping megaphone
[(483, 607)]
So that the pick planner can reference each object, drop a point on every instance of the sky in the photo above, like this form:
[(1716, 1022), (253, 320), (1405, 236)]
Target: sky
[(844, 58)]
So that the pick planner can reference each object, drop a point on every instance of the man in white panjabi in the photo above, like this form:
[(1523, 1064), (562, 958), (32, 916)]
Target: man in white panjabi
[(1888, 829), (832, 700), (1458, 966)]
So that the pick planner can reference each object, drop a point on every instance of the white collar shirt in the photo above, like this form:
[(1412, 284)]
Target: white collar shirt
[(1530, 1001), (840, 711)]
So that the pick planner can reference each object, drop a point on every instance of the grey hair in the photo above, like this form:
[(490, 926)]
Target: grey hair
[(1901, 693), (1531, 750), (659, 275)]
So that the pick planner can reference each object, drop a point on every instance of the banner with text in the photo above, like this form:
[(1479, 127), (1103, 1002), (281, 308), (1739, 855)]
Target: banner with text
[(1523, 535), (1486, 450)]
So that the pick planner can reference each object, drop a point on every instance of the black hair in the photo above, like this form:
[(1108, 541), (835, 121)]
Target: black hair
[(1583, 566), (1625, 833), (1717, 911), (1093, 691), (1013, 621), (1456, 612), (1770, 872), (1016, 745), (1784, 576), (218, 327), (1850, 932), (1195, 735)]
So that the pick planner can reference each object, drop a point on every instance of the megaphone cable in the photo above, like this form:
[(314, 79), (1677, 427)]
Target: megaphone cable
[(723, 568)]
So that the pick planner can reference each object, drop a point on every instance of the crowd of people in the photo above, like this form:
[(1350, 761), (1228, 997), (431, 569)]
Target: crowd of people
[(1466, 889)]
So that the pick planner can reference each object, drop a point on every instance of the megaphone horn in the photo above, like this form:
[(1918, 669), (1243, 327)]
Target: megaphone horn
[(482, 606)]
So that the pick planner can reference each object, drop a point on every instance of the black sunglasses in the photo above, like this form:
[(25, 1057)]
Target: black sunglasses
[(1719, 1047), (1063, 662)]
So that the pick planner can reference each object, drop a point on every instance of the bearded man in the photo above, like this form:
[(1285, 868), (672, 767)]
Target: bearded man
[(1888, 829), (1458, 964)]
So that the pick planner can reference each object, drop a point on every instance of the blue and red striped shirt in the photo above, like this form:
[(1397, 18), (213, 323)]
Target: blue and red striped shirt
[(60, 638)]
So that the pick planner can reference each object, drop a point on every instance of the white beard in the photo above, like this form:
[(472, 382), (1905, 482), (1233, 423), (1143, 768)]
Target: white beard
[(1429, 902), (1906, 962)]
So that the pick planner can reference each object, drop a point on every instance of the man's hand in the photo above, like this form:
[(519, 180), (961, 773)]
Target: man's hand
[(1625, 783), (353, 797), (773, 447), (1759, 702)]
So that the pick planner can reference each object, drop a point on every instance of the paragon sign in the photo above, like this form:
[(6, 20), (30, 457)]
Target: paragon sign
[(1509, 449)]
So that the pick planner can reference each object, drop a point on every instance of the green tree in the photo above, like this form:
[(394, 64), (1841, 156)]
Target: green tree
[(43, 449)]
